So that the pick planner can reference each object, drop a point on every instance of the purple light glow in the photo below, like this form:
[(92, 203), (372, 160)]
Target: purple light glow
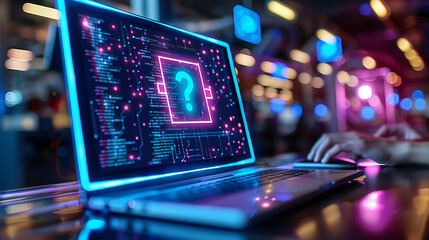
[(375, 210)]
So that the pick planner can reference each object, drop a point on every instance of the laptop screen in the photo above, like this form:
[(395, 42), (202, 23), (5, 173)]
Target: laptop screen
[(152, 99)]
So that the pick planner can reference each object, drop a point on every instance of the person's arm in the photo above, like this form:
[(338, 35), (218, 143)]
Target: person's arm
[(400, 131), (416, 153), (382, 150)]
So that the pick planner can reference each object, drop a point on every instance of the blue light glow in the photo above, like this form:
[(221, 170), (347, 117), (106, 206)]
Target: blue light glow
[(365, 9), (420, 104), (417, 94), (329, 52), (247, 25), (296, 110), (277, 105), (90, 226), (79, 145), (406, 104), (282, 70), (367, 113), (321, 110), (392, 99)]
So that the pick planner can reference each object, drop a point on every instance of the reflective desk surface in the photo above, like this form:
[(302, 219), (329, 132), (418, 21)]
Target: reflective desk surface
[(387, 203)]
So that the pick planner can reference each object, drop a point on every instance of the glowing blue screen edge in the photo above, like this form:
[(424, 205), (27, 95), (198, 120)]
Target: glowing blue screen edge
[(77, 131)]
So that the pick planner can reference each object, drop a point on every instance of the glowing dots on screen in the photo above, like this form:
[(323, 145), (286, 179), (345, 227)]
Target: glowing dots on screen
[(417, 94), (365, 92), (406, 104), (320, 110), (85, 22), (420, 104), (277, 105), (392, 99), (367, 113), (295, 110), (126, 107)]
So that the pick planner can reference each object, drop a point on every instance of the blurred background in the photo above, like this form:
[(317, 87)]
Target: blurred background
[(304, 67)]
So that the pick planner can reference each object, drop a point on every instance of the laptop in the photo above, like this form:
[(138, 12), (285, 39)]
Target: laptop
[(158, 125)]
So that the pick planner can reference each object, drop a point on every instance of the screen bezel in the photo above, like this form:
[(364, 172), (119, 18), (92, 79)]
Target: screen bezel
[(72, 82)]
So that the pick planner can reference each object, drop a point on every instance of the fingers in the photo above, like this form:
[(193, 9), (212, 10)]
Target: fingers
[(381, 131), (330, 145), (312, 152), (320, 151), (336, 149)]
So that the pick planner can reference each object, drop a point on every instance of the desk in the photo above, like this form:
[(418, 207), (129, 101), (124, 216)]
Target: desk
[(390, 203)]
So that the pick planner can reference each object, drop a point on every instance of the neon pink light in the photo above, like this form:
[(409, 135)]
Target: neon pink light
[(161, 88), (160, 58), (208, 93)]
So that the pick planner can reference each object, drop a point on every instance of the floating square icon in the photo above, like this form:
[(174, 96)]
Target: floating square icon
[(183, 86), (247, 25)]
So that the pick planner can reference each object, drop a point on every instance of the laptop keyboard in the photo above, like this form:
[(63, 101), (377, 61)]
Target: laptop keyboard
[(227, 185)]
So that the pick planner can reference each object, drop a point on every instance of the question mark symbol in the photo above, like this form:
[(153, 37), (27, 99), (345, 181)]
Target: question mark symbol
[(184, 75)]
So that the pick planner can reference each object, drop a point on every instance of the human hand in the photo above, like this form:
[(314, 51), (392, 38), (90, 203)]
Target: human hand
[(401, 131), (331, 144)]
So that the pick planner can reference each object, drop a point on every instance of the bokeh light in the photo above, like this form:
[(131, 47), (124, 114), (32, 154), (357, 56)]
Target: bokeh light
[(304, 78), (343, 77), (365, 9), (353, 81), (318, 82), (320, 110), (406, 104), (369, 62), (417, 94), (393, 79), (365, 92), (420, 104), (277, 105), (367, 113), (296, 110), (392, 99)]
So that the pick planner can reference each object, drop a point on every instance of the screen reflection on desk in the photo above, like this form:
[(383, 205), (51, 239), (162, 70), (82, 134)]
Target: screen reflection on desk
[(99, 228)]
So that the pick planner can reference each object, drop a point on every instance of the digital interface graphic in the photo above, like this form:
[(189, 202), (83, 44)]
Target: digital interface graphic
[(157, 97)]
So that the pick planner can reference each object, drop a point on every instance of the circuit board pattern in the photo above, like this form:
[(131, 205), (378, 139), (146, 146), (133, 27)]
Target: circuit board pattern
[(132, 118)]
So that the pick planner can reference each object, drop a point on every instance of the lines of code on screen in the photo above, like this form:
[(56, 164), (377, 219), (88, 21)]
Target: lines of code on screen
[(158, 97)]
